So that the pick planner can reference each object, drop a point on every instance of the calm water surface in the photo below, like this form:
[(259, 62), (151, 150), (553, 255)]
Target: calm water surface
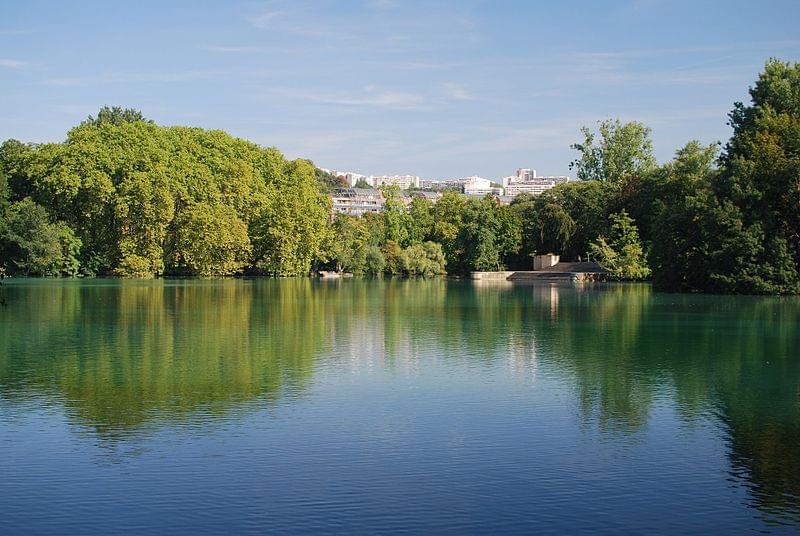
[(293, 406)]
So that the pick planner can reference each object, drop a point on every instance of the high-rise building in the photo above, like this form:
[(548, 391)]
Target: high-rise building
[(526, 174), (526, 181)]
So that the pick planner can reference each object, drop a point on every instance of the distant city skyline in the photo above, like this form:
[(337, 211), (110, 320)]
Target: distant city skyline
[(360, 174), (470, 88)]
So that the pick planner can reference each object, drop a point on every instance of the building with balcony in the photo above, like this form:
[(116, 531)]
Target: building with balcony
[(357, 201)]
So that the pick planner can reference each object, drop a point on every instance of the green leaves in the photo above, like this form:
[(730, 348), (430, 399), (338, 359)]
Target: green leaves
[(147, 200), (212, 240), (35, 246), (290, 229), (623, 150), (564, 219), (622, 255)]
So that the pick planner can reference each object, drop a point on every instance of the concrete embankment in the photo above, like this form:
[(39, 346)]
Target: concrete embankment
[(563, 271)]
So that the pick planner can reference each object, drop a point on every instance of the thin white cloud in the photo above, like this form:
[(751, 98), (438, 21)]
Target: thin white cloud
[(377, 98), (12, 64), (368, 97), (492, 140), (123, 78), (380, 4), (458, 92), (723, 47), (232, 49), (611, 68), (265, 19), (423, 65), (302, 21), (76, 109)]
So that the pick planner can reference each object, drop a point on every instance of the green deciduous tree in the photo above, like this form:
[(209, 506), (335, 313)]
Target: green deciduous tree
[(34, 245), (447, 222), (671, 206), (564, 219), (289, 231), (622, 254), (375, 263), (739, 231), (760, 177), (393, 257), (349, 245), (420, 220), (489, 234), (117, 115), (212, 241), (396, 218), (423, 260), (620, 151)]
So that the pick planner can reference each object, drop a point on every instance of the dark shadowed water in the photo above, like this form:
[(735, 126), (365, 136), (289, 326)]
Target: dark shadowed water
[(292, 406)]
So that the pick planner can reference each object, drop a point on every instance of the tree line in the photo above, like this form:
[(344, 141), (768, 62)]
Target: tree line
[(124, 196)]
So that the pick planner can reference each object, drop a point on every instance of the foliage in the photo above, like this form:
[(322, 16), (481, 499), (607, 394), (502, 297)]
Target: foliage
[(565, 219), (212, 241), (423, 260), (4, 194), (623, 150), (393, 257), (396, 218), (33, 245), (622, 255), (420, 220), (375, 263), (116, 116), (290, 228), (447, 222), (122, 195), (739, 231), (124, 186), (489, 233), (328, 181), (671, 205), (349, 245), (760, 178), (645, 197)]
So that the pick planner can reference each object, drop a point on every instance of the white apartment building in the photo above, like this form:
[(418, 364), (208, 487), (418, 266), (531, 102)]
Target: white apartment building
[(535, 186), (526, 174), (357, 201), (404, 182), (353, 178), (479, 186), (451, 184), (349, 176)]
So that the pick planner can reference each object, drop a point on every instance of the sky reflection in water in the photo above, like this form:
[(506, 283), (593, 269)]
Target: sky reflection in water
[(368, 406)]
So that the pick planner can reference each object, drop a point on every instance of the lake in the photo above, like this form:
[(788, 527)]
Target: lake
[(357, 406)]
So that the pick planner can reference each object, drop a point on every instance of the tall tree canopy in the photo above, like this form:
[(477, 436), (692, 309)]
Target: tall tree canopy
[(621, 151), (133, 192), (117, 115), (739, 230)]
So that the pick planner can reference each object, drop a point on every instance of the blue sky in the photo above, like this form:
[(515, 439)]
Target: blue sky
[(438, 89)]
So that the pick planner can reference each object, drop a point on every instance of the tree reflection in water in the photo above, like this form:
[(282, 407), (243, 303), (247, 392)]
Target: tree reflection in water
[(119, 354)]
